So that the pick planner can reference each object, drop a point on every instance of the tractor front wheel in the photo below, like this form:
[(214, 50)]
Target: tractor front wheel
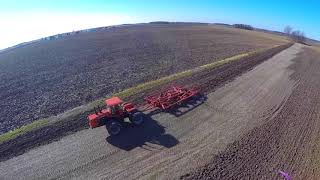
[(114, 128), (137, 118)]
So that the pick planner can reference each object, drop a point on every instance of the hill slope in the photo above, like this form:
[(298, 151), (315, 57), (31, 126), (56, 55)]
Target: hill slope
[(48, 77)]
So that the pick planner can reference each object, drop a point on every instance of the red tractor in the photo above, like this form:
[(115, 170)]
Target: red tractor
[(113, 116)]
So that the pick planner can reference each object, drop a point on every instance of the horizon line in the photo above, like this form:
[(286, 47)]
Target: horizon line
[(157, 21)]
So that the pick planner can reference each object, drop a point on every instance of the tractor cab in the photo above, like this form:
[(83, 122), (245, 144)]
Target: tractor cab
[(114, 105)]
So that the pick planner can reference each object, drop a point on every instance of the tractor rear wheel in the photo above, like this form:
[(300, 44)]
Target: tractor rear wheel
[(137, 118), (114, 128)]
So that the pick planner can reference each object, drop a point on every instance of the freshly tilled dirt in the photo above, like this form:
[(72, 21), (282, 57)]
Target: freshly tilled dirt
[(206, 81), (288, 142), (49, 77), (168, 146)]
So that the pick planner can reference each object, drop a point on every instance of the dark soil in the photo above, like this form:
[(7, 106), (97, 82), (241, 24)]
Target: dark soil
[(207, 81), (289, 142), (49, 77)]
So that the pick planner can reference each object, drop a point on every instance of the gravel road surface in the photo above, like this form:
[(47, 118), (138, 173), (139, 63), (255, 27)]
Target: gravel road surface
[(167, 145)]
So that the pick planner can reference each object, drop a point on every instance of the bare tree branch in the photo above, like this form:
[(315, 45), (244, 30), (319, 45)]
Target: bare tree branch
[(287, 30)]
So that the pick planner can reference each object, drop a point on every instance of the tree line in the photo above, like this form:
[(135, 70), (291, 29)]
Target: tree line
[(243, 26), (295, 35)]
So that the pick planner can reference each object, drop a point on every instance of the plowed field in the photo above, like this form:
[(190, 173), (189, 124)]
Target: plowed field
[(49, 77), (263, 121)]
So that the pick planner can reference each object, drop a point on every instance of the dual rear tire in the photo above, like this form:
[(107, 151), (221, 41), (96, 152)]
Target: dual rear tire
[(115, 126)]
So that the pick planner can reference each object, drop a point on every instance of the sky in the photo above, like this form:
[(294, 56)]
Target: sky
[(26, 20)]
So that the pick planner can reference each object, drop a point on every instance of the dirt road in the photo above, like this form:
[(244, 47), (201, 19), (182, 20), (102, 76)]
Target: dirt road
[(288, 142), (167, 146)]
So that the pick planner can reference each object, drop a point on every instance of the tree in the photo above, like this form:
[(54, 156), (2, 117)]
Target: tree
[(287, 30), (298, 36), (243, 26)]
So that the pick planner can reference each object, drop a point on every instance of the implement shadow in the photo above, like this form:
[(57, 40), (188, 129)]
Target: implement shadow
[(137, 136)]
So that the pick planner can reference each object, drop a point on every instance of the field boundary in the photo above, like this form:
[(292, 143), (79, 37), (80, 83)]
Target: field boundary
[(124, 94)]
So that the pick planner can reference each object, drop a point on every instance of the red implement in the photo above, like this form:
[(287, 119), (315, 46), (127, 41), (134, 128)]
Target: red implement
[(170, 97)]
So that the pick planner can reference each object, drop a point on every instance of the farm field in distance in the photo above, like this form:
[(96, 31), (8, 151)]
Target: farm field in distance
[(49, 77)]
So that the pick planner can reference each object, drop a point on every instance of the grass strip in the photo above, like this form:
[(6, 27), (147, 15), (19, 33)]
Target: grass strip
[(23, 129)]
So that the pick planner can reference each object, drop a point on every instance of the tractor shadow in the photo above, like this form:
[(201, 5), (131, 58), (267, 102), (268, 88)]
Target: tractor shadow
[(186, 107), (150, 132)]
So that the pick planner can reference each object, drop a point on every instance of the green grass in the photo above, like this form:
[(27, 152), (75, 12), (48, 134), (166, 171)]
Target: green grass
[(122, 94), (22, 130)]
